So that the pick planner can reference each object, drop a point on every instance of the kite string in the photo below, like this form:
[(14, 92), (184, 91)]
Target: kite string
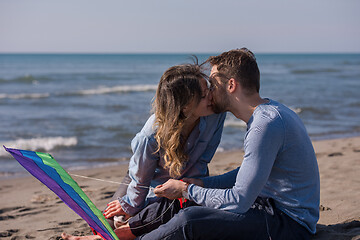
[(144, 225), (108, 181), (151, 222)]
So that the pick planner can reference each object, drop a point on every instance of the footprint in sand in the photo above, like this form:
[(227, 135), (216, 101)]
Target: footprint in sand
[(8, 233), (26, 209), (4, 210), (65, 223), (108, 195), (13, 212), (335, 154), (2, 218), (27, 236), (42, 198), (323, 208)]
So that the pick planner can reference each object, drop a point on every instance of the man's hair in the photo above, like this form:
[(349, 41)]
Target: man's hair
[(239, 64)]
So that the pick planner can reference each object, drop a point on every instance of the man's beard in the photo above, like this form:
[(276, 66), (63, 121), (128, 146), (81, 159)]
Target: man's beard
[(222, 103)]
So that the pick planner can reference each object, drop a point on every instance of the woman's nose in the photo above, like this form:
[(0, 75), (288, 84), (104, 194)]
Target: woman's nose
[(209, 96)]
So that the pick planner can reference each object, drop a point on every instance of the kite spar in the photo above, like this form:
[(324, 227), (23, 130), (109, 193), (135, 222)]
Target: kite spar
[(45, 168)]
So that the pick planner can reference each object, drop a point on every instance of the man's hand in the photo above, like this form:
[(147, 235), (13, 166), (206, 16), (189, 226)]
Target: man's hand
[(172, 189), (114, 209)]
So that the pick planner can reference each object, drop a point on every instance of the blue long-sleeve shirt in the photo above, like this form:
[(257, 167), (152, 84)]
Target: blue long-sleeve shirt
[(279, 162), (146, 168)]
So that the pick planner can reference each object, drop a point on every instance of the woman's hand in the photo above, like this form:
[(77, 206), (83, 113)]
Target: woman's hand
[(172, 189), (114, 209)]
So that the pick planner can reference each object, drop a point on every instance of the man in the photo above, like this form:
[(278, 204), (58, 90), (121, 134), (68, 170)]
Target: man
[(275, 192)]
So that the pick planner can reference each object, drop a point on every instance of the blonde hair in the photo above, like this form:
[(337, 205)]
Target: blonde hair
[(178, 86)]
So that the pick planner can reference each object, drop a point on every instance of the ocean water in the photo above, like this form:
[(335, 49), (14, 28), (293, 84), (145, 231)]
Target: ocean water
[(84, 109)]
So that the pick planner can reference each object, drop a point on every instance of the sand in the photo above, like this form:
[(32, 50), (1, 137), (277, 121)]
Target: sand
[(29, 210)]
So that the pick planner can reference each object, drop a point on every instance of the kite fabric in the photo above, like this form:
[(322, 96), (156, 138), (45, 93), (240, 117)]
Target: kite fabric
[(44, 167)]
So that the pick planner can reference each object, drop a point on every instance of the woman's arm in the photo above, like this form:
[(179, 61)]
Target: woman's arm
[(142, 166)]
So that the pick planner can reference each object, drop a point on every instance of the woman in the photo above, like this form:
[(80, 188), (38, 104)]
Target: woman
[(178, 141)]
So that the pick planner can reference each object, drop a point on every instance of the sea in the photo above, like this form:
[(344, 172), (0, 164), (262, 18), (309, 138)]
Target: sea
[(84, 109)]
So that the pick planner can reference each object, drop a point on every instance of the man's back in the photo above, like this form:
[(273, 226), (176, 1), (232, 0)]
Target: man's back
[(294, 179)]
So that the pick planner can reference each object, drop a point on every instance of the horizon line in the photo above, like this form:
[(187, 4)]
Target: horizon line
[(169, 53)]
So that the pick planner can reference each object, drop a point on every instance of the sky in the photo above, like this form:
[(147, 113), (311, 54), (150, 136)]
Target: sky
[(182, 26)]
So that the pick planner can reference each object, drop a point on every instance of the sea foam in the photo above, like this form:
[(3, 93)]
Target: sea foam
[(42, 144), (118, 89), (24, 95), (95, 91), (233, 122)]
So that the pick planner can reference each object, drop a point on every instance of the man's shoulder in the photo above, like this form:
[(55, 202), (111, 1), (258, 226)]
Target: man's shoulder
[(272, 110), (271, 115), (268, 111)]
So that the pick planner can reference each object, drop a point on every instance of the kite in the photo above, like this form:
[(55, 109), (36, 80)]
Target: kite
[(45, 168)]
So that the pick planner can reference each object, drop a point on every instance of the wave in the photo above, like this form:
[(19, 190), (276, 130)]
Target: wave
[(316, 110), (234, 123), (27, 79), (95, 91), (117, 89), (24, 95), (40, 144)]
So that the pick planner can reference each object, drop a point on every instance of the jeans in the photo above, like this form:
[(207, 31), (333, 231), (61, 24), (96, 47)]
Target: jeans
[(258, 222), (156, 214)]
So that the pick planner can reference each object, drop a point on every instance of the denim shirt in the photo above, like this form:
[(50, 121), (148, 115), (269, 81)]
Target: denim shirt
[(146, 168), (279, 163)]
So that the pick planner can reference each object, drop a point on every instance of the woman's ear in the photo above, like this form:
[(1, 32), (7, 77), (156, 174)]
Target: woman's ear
[(186, 110)]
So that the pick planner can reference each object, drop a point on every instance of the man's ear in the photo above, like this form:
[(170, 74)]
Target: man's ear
[(232, 84)]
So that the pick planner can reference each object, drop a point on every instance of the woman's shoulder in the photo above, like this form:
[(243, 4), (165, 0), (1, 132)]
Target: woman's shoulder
[(146, 136), (215, 118), (149, 127)]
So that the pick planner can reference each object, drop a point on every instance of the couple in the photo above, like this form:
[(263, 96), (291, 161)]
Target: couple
[(275, 192)]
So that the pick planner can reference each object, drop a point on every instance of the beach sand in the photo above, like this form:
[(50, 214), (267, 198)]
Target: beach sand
[(29, 210)]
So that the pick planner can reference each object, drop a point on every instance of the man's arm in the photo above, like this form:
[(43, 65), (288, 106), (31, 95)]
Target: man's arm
[(261, 146), (226, 180)]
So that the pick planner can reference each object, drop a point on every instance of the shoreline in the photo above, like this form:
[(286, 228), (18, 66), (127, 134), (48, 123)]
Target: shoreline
[(30, 210), (124, 161)]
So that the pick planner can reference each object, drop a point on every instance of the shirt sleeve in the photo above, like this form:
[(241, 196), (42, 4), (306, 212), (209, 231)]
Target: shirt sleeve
[(226, 180), (261, 145), (142, 168)]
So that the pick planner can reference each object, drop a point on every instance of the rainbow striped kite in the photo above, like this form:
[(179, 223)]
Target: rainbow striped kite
[(44, 167)]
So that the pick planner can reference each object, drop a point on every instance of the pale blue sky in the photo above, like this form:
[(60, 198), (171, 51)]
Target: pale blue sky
[(190, 26)]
